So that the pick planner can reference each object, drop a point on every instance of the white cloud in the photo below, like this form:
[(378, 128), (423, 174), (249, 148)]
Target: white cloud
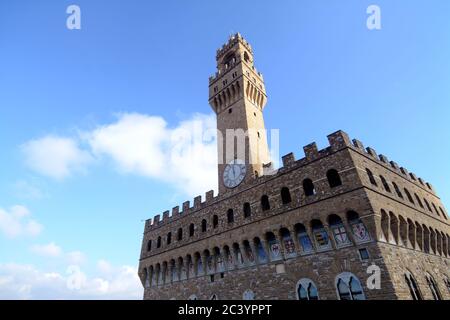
[(52, 250), (19, 281), (16, 222), (55, 157), (47, 250), (104, 266), (184, 156), (134, 142)]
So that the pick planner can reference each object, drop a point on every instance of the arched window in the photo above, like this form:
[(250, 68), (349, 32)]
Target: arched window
[(427, 204), (180, 234), (320, 235), (246, 57), (303, 238), (411, 233), (419, 236), (146, 278), (248, 295), (338, 230), (412, 285), (438, 242), (349, 287), (214, 297), (158, 274), (173, 271), (203, 225), (158, 242), (432, 241), (209, 268), (371, 177), (435, 209), (230, 216), (192, 297), (149, 245), (397, 190), (169, 237), (215, 221), (385, 226), (265, 205), (447, 283), (228, 258), (443, 213), (403, 231), (249, 252), (152, 276), (220, 264), (238, 254), (394, 226), (247, 210), (191, 230), (418, 201), (307, 290), (334, 180), (409, 196), (184, 266), (385, 184), (308, 187), (285, 195), (164, 273), (426, 239)]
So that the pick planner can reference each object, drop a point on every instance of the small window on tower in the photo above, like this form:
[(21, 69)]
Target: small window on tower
[(246, 57), (254, 113), (230, 110)]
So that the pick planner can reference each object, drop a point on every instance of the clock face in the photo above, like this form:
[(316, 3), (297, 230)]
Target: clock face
[(234, 173)]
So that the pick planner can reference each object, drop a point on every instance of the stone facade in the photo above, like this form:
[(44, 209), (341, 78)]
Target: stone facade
[(310, 230)]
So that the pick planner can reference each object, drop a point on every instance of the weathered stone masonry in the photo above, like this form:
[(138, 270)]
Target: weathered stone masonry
[(310, 230)]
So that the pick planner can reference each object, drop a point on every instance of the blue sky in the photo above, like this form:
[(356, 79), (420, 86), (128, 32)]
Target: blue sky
[(85, 114)]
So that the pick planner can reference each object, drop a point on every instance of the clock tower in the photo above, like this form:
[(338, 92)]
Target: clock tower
[(237, 95)]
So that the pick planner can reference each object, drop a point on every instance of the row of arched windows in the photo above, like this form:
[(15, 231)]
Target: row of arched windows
[(285, 243), (414, 288), (334, 180), (348, 287), (409, 197), (405, 232)]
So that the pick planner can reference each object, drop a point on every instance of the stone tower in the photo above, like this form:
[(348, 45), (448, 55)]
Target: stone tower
[(237, 95)]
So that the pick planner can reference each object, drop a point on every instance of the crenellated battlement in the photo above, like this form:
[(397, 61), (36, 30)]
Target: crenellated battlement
[(232, 41), (337, 141)]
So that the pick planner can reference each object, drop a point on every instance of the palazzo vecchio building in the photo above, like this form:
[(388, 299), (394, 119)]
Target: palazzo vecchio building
[(325, 226)]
